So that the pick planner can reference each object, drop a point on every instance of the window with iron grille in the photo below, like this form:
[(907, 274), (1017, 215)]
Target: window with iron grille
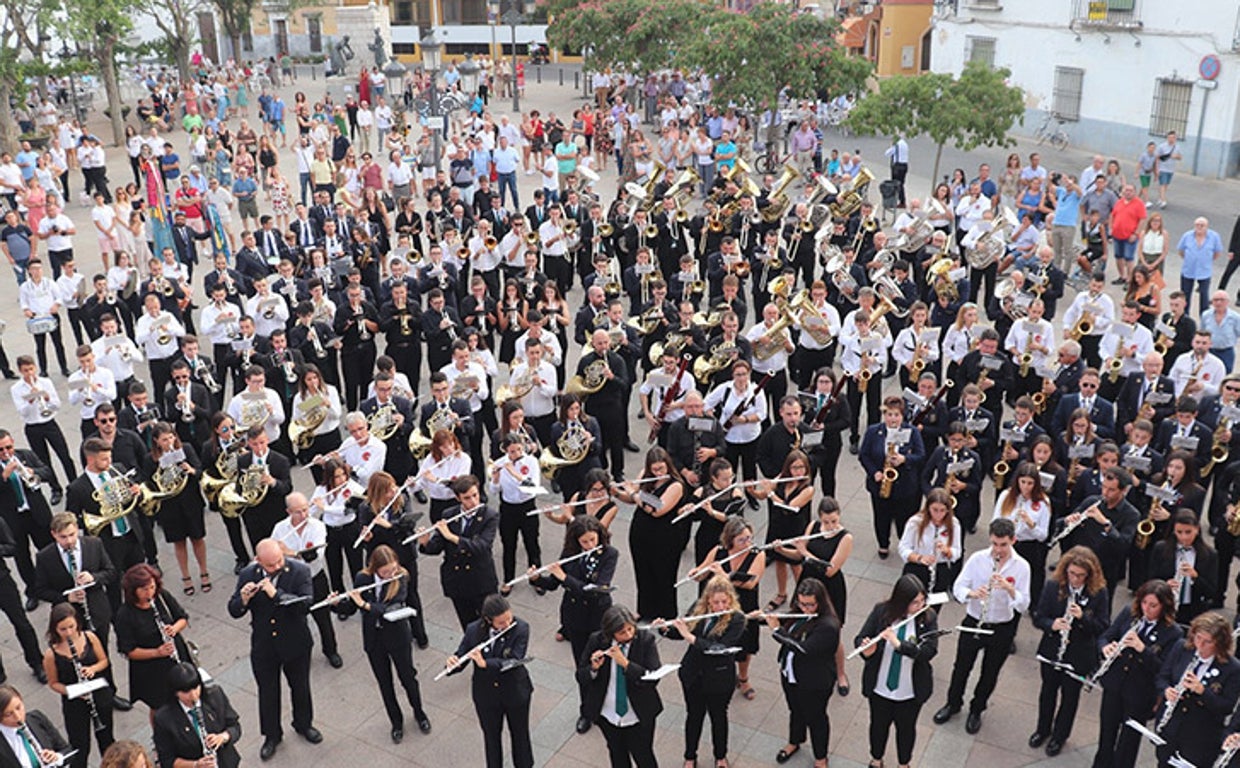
[(402, 12), (980, 49), (1171, 102), (1066, 96)]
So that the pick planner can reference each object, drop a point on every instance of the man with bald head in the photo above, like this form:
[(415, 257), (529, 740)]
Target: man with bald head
[(304, 537), (276, 592), (694, 440)]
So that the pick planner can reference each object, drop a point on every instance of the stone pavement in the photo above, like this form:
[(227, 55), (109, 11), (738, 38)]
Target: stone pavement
[(348, 708)]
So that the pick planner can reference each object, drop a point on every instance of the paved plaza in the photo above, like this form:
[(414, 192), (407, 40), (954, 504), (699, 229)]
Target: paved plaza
[(347, 706)]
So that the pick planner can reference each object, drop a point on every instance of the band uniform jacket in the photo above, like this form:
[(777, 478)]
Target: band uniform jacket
[(1101, 413), (43, 730), (277, 375), (241, 284), (1204, 588), (52, 577), (921, 648), (934, 475), (468, 568), (774, 445), (195, 429), (873, 457), (401, 325), (681, 440), (1197, 726), (987, 437), (40, 513), (1171, 427), (79, 499), (176, 737), (1082, 650), (502, 677), (272, 505), (932, 422), (377, 632), (705, 668), (612, 392), (1110, 545), (278, 626), (643, 695), (438, 340), (1128, 402), (1185, 329), (1133, 674), (348, 325), (1208, 413), (814, 643), (1067, 382), (582, 606), (465, 419)]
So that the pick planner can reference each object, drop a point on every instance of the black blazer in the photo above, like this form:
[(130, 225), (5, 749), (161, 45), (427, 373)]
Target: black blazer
[(1126, 403), (40, 513), (1197, 727), (501, 677), (43, 730), (813, 645), (468, 568), (51, 577), (1082, 650), (1204, 587), (197, 429), (272, 506), (278, 628), (581, 609), (379, 634), (1102, 414), (1132, 674), (1170, 427), (175, 736), (703, 669), (1111, 546), (921, 648), (643, 694)]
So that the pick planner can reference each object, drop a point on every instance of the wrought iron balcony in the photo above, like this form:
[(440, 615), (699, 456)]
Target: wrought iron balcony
[(1107, 14)]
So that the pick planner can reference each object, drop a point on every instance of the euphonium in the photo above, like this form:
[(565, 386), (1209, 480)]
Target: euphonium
[(764, 350), (890, 474)]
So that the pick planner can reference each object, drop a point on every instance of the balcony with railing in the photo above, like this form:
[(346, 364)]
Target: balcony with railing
[(1107, 14)]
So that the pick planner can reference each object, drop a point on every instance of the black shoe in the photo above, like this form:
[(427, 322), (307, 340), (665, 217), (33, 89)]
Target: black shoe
[(31, 604), (853, 447), (973, 723), (1053, 747), (121, 704), (398, 735), (8, 374), (57, 496), (239, 566), (631, 447), (583, 724), (335, 660), (1037, 740), (424, 722), (423, 643), (311, 734), (269, 749), (420, 496), (947, 712), (64, 372)]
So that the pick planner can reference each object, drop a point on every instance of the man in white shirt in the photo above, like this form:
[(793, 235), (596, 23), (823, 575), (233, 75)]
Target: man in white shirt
[(157, 332), (73, 289), (269, 310), (383, 120), (58, 230), (116, 352), (507, 159), (40, 301), (305, 537), (221, 198), (364, 454), (89, 387), (257, 404), (539, 376), (994, 586), (1198, 373), (36, 402), (1101, 310), (365, 123)]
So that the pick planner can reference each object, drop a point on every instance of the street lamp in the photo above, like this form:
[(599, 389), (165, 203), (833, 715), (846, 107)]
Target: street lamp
[(395, 73), (431, 61), (512, 17), (469, 70)]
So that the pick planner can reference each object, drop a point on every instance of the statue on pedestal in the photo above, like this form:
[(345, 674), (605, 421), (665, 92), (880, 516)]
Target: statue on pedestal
[(379, 48)]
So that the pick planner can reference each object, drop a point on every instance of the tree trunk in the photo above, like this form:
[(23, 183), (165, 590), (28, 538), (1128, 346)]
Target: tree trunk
[(234, 39), (8, 126), (107, 63), (934, 177), (180, 51)]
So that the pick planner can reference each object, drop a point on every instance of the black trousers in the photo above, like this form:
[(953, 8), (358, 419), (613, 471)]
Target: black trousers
[(237, 539), (161, 374), (1057, 688), (629, 746), (79, 727), (267, 671), (873, 405), (468, 608), (1089, 350), (491, 716), (559, 270), (807, 710), (979, 276), (774, 390), (327, 632), (824, 461), (339, 549), (743, 456), (613, 423), (810, 360), (995, 649), (359, 367), (40, 349), (77, 323), (1117, 744), (11, 604), (408, 359), (381, 663), (26, 532), (40, 437), (894, 511), (698, 705), (885, 713), (899, 172), (1035, 553), (259, 521), (513, 520)]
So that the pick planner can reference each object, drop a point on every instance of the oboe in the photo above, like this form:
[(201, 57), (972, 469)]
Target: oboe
[(81, 678), (207, 749), (1180, 688)]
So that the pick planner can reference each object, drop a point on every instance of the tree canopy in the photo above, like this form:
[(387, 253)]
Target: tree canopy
[(976, 109)]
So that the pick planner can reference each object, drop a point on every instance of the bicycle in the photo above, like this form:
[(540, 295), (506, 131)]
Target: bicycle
[(771, 161), (1054, 134)]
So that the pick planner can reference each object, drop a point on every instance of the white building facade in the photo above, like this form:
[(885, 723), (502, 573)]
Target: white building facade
[(1119, 73)]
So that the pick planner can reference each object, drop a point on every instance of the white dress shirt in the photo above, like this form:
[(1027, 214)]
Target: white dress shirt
[(1209, 376), (724, 401), (334, 409), (311, 534), (913, 543), (276, 418), (471, 369), (510, 488), (552, 351), (1100, 306), (1002, 607), (110, 353), (38, 297), (540, 401), (450, 467), (1038, 511), (333, 508), (364, 459), (146, 334), (29, 406), (100, 384)]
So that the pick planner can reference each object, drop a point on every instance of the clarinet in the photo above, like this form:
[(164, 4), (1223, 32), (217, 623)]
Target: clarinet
[(81, 678), (1180, 687), (1066, 631), (990, 590), (90, 622), (24, 729), (207, 750), (1110, 658), (163, 633)]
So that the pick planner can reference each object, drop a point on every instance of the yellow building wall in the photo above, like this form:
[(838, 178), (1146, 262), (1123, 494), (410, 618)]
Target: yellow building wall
[(900, 26)]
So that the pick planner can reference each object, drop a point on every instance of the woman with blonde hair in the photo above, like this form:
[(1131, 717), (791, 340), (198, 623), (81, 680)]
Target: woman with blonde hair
[(1199, 683), (126, 754), (388, 506), (443, 463), (745, 573)]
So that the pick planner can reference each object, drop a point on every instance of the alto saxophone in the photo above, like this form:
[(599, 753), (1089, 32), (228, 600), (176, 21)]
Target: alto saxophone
[(1219, 451), (890, 474), (1115, 363), (1026, 357), (1145, 528)]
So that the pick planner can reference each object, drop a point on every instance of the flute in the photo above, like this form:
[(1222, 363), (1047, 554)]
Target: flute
[(747, 484), (564, 505), (761, 616), (1180, 688), (447, 521), (461, 661), (688, 618), (542, 569), (1092, 681), (873, 641), (340, 596), (1070, 527), (361, 537)]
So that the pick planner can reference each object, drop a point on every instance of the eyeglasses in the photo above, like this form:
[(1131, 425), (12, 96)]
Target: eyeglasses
[(106, 420), (1231, 389), (1088, 385)]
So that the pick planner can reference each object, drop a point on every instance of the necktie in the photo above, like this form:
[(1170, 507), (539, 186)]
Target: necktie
[(622, 688), (31, 752), (193, 715), (73, 568), (710, 625), (271, 244), (17, 489), (893, 671)]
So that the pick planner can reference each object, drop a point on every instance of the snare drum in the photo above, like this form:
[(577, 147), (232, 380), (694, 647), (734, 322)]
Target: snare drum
[(42, 324)]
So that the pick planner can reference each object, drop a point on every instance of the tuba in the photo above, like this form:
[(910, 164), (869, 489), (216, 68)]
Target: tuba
[(716, 360), (777, 200), (849, 200), (590, 381), (312, 412), (116, 499), (764, 350), (248, 491), (573, 446)]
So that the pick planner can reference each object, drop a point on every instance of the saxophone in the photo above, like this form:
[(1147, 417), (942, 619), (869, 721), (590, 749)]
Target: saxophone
[(890, 473), (1084, 326), (1115, 363), (864, 374), (1026, 357), (1002, 467), (1145, 528), (1219, 452)]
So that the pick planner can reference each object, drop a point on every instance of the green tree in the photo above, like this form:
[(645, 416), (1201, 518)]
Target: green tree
[(634, 35), (177, 20), (235, 17), (101, 25), (23, 55), (976, 109)]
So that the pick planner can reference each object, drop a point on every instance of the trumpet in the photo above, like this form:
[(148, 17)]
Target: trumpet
[(26, 474)]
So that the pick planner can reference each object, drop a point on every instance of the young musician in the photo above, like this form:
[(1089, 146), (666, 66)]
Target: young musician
[(198, 721), (29, 728), (75, 655), (467, 573), (335, 503), (806, 658), (180, 514), (933, 543), (736, 558), (1072, 612), (389, 507), (891, 448), (958, 471), (612, 673), (1189, 565), (1200, 684), (513, 479), (788, 510), (501, 687), (898, 678), (829, 414), (1027, 505)]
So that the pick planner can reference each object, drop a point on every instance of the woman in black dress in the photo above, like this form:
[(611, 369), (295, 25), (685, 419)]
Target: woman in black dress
[(181, 514), (711, 515), (898, 679), (736, 558), (409, 223), (652, 540), (823, 559), (706, 673), (788, 512), (593, 500), (574, 419), (807, 667), (148, 632), (829, 412), (68, 641), (387, 639), (391, 529), (512, 311)]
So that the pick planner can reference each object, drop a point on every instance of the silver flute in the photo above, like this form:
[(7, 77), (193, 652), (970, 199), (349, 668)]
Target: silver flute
[(1180, 688), (95, 720)]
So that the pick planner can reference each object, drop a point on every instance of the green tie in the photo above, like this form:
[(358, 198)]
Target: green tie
[(710, 624), (622, 690), (893, 670), (17, 489), (193, 715), (31, 752)]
